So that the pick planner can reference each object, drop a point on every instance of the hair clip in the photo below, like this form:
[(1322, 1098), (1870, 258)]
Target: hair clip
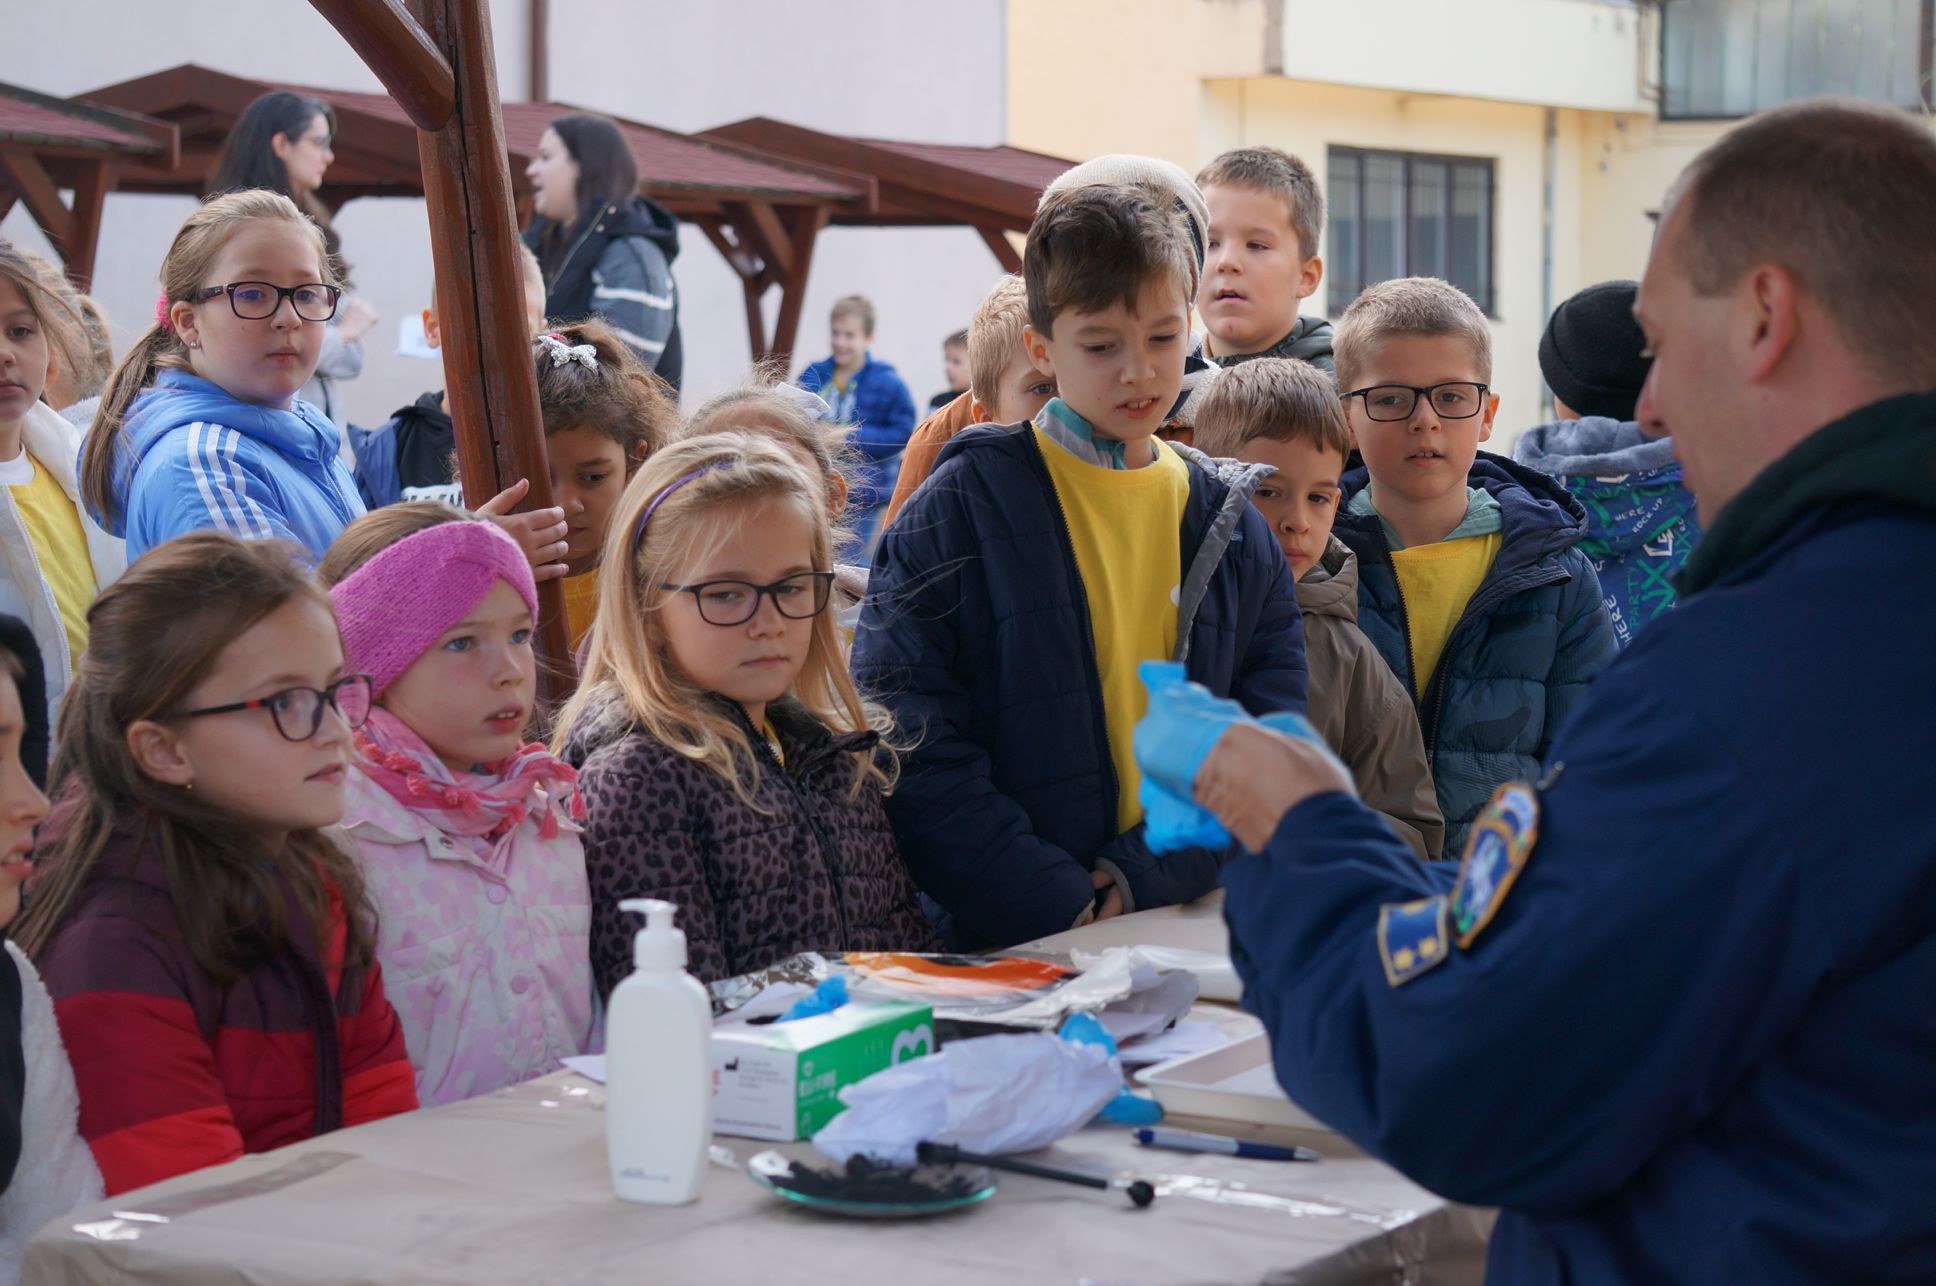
[(161, 314), (561, 352), (812, 403)]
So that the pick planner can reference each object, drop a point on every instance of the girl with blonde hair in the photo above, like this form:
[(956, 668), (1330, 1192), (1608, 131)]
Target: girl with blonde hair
[(727, 761)]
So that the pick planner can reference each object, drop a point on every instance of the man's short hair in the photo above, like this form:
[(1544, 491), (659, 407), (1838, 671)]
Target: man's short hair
[(858, 307), (1286, 177), (1280, 398), (1090, 247), (1409, 306), (1842, 194), (995, 336)]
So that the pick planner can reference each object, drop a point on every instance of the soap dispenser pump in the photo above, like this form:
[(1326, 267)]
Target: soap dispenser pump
[(658, 1068)]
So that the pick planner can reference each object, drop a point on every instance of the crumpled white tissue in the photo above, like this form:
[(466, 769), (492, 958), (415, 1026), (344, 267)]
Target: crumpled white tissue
[(996, 1094)]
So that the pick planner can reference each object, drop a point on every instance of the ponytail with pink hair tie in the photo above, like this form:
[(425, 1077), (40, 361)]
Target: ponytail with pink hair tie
[(161, 314)]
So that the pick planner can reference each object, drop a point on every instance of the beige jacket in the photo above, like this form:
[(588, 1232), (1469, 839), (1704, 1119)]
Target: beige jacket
[(1361, 709)]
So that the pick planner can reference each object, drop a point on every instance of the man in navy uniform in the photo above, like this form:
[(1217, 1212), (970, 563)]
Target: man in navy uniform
[(1676, 1012)]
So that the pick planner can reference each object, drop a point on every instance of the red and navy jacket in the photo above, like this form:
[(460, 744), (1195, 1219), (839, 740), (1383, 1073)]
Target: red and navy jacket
[(176, 1071)]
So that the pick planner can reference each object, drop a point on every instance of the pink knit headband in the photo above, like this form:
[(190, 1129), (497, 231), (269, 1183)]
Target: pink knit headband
[(393, 609)]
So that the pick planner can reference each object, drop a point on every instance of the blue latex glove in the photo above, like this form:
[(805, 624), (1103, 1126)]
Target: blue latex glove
[(830, 995), (1183, 724), (1128, 1107), (1170, 823)]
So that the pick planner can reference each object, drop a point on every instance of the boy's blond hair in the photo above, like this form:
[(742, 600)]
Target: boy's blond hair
[(1280, 398), (1094, 246), (859, 307), (995, 336), (1409, 306), (1286, 177)]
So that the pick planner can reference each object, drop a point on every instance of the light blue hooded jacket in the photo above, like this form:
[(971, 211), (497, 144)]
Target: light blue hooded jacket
[(194, 458), (1640, 519)]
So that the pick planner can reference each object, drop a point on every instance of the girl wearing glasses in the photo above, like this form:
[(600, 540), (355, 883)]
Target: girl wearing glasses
[(209, 947), (281, 142), (468, 835), (200, 426), (45, 1169), (727, 761)]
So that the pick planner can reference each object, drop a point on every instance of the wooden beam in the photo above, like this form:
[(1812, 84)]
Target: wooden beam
[(1004, 249), (489, 378), (776, 244), (22, 171), (807, 224), (90, 197), (414, 71)]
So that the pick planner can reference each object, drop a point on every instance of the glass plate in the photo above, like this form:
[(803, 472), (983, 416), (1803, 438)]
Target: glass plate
[(767, 1166)]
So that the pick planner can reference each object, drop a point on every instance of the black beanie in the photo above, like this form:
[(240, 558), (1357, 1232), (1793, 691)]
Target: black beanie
[(1590, 353)]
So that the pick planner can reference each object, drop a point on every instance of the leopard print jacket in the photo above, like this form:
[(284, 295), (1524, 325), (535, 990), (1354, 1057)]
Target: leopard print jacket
[(818, 870)]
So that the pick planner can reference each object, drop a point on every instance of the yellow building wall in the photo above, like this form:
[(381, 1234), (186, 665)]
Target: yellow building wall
[(1307, 118)]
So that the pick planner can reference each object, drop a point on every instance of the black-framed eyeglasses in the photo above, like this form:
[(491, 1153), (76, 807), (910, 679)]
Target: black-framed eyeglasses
[(298, 712), (258, 300), (734, 602), (1452, 400)]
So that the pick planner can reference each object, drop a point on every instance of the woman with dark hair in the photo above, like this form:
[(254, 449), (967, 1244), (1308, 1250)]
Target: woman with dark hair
[(282, 142), (606, 251)]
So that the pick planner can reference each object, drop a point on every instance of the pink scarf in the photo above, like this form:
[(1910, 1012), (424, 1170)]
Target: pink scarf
[(489, 807)]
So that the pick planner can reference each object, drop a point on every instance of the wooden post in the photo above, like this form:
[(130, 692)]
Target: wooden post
[(489, 378)]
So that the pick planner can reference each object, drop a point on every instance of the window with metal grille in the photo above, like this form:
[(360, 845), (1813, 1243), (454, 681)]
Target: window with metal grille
[(1407, 214), (1729, 58)]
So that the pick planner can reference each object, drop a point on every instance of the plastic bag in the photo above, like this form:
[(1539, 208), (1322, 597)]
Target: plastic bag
[(996, 1094)]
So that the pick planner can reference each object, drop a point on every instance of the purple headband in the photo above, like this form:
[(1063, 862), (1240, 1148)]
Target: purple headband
[(392, 609), (638, 535)]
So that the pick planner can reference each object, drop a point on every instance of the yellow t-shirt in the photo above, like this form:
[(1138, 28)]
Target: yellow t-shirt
[(54, 525), (1437, 581), (581, 605), (1123, 524)]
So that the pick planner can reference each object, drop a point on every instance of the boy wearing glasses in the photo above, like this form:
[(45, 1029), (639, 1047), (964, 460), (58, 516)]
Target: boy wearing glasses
[(1015, 596), (1470, 584)]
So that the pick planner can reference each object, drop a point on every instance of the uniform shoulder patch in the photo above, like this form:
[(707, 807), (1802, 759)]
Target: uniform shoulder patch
[(1501, 841), (1412, 937)]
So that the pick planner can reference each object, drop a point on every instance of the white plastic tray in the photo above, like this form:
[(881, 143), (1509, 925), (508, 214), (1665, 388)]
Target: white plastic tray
[(1233, 1082)]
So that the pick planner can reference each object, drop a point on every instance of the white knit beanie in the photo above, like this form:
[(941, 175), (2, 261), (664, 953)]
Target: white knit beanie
[(1167, 182)]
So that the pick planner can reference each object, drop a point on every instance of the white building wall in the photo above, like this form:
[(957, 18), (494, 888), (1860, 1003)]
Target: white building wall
[(870, 67)]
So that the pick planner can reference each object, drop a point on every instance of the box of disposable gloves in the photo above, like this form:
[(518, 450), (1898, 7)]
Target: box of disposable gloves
[(782, 1080)]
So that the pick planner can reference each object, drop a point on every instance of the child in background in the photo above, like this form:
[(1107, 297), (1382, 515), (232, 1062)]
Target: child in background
[(604, 413), (466, 833), (45, 1168), (53, 557), (1641, 521), (201, 426), (727, 761), (1281, 412), (1266, 212), (1470, 584), (1003, 385), (868, 394), (413, 454), (208, 945), (1014, 598), (954, 361), (74, 386), (791, 417)]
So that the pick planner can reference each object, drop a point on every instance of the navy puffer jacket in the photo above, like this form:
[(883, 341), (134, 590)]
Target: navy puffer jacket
[(976, 633), (1533, 636)]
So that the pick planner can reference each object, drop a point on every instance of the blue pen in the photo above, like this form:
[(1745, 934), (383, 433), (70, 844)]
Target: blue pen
[(1191, 1141)]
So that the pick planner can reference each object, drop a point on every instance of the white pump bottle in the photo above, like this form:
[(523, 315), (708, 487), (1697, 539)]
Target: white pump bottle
[(658, 1066)]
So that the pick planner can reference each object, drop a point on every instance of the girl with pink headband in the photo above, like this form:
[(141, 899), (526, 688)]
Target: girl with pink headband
[(468, 836)]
